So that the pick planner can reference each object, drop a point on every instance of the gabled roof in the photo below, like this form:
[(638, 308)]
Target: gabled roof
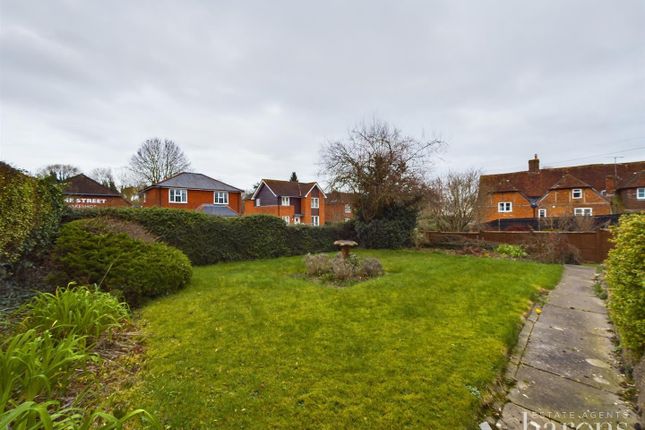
[(288, 188), (635, 181), (83, 185), (569, 181), (194, 181), (536, 184), (340, 197)]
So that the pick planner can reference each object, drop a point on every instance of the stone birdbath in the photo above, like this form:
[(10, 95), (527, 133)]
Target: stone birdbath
[(345, 246)]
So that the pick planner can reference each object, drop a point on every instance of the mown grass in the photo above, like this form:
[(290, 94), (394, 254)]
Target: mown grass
[(252, 345)]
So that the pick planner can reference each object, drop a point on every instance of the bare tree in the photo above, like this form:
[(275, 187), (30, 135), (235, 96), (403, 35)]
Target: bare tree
[(158, 159), (454, 202), (381, 166), (104, 176), (60, 172)]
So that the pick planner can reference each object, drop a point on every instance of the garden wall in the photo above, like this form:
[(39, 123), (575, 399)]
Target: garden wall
[(593, 245)]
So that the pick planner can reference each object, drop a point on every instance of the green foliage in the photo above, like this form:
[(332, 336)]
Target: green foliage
[(34, 364), (208, 239), (30, 213), (513, 251), (80, 311), (626, 279), (402, 350), (337, 268), (395, 229), (89, 251)]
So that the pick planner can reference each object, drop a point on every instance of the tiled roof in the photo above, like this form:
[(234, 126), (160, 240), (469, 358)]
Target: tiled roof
[(289, 188), (636, 180), (535, 184), (339, 197), (83, 185), (194, 181), (569, 181), (218, 210)]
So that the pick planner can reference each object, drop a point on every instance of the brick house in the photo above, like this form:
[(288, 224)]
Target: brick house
[(590, 190), (294, 202), (338, 207), (194, 191), (81, 191)]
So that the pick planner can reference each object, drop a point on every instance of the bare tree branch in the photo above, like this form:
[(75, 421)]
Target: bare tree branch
[(157, 160)]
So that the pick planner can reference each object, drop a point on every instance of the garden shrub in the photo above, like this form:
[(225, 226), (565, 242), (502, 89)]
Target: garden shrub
[(340, 269), (370, 267), (552, 248), (30, 213), (90, 251), (395, 229), (208, 239), (75, 310), (514, 251), (626, 279), (317, 264)]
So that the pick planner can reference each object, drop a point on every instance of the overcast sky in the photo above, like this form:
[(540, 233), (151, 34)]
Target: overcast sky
[(252, 89)]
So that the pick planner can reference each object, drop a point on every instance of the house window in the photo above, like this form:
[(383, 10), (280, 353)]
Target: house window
[(286, 219), (640, 193), (285, 201), (145, 197), (576, 193), (315, 220), (541, 213), (257, 202), (314, 203), (582, 211), (348, 209), (177, 195), (296, 220), (221, 198), (505, 207)]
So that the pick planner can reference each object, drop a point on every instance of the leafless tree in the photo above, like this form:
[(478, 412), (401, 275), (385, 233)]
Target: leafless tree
[(380, 165), (158, 159), (61, 172), (453, 206), (104, 176)]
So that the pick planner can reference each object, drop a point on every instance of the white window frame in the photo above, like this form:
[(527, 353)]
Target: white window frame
[(173, 194), (640, 193), (542, 213), (315, 203), (258, 202), (296, 220), (286, 219), (285, 201), (348, 208), (505, 207), (315, 220), (576, 212), (576, 191), (216, 197)]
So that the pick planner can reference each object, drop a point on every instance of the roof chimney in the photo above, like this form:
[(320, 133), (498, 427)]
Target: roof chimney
[(610, 184), (534, 164)]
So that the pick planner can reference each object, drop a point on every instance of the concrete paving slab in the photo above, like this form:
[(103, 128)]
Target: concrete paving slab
[(568, 401), (573, 300), (590, 322), (516, 417)]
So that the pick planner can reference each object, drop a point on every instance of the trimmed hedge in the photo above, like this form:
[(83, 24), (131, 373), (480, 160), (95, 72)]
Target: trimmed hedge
[(626, 279), (89, 251), (30, 214), (208, 239), (393, 230)]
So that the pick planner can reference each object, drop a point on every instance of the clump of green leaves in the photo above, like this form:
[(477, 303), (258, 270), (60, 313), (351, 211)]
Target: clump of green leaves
[(80, 311), (513, 251), (626, 280)]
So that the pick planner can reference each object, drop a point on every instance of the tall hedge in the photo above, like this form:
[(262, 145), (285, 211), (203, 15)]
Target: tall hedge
[(626, 279), (30, 214), (208, 239)]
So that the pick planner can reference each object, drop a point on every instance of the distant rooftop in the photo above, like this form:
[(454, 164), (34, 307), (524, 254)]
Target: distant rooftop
[(194, 181)]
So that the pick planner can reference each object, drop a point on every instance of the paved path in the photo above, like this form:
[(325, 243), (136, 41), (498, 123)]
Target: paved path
[(563, 365)]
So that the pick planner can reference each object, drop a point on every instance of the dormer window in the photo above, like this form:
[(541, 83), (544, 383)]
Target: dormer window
[(576, 193), (285, 201), (221, 197)]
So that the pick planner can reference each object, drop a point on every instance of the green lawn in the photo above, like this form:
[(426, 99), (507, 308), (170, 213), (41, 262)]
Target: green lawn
[(252, 345)]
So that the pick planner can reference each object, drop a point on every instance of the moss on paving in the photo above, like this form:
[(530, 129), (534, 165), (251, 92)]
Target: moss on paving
[(253, 345)]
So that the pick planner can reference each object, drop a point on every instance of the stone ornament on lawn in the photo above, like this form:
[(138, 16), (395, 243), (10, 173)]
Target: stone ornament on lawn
[(345, 246)]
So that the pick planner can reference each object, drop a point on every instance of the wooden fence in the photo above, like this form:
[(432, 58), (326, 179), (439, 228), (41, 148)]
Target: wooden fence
[(593, 245)]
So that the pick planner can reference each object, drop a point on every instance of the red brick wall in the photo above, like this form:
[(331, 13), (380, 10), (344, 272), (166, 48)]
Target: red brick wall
[(629, 200), (560, 203), (159, 197), (521, 206)]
